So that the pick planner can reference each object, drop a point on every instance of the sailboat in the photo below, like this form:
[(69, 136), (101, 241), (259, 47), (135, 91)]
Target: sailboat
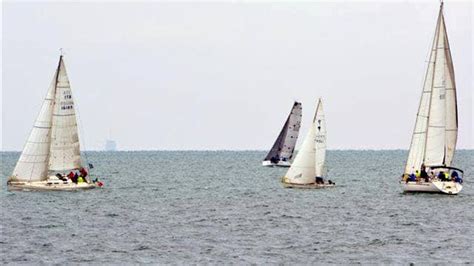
[(429, 164), (52, 149), (282, 151), (308, 168)]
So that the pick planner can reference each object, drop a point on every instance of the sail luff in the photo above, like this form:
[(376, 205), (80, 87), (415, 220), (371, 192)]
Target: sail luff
[(416, 153), (65, 147)]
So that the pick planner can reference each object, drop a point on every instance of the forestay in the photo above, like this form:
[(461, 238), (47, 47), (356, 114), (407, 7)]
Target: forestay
[(435, 134), (284, 145)]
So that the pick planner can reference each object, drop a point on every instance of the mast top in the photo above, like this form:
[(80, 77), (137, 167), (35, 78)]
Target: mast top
[(61, 53)]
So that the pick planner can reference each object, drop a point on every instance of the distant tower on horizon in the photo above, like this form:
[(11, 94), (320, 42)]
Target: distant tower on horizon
[(110, 145)]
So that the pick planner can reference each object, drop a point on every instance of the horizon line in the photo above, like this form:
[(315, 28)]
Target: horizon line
[(233, 150)]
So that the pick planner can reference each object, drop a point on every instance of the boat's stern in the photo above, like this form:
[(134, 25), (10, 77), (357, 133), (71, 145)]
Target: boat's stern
[(451, 188)]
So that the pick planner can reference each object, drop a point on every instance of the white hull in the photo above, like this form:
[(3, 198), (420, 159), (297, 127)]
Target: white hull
[(50, 186), (306, 186), (278, 164), (447, 187)]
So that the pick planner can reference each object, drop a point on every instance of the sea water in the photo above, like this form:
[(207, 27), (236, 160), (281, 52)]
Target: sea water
[(223, 207)]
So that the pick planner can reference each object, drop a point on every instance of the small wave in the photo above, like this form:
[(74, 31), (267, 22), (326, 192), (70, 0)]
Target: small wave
[(20, 259), (290, 216), (376, 242), (119, 251), (142, 247), (409, 224), (47, 226)]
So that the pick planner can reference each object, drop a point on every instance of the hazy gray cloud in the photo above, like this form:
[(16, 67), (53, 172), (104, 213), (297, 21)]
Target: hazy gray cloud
[(224, 75)]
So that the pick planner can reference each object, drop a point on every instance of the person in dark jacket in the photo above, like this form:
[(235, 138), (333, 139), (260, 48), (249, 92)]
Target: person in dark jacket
[(456, 178), (424, 174), (74, 178), (319, 180), (441, 176), (274, 159)]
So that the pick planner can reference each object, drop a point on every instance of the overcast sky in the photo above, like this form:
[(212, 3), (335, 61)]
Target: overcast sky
[(224, 75)]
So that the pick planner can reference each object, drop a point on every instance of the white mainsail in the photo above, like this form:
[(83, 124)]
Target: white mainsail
[(284, 145), (309, 161), (320, 138), (435, 134), (451, 104), (65, 151), (53, 144)]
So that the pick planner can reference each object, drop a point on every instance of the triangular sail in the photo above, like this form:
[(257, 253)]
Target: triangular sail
[(436, 135), (434, 138), (320, 138), (33, 162), (303, 170), (284, 145), (65, 150), (451, 104)]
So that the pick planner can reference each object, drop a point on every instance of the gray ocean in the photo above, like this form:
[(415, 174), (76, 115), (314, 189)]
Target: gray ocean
[(223, 207)]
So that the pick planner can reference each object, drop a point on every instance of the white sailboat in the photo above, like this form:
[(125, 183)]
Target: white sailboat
[(428, 167), (52, 149), (308, 168), (282, 151)]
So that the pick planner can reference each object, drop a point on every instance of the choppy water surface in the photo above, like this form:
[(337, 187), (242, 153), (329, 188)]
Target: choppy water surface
[(223, 207)]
